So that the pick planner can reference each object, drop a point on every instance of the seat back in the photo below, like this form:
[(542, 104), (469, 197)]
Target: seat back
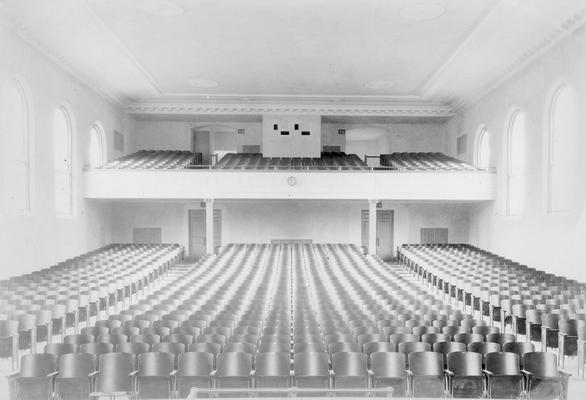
[(272, 364), (155, 364), (114, 372), (77, 365), (133, 348), (240, 347), (175, 348), (113, 338), (234, 364), (448, 347), (520, 348), (484, 347), (411, 347), (388, 365), (311, 364), (343, 347), (403, 337), (541, 364), (195, 364), (96, 348), (432, 338), (60, 348), (426, 363), (378, 347), (37, 365), (202, 347), (79, 339), (503, 363), (349, 364), (309, 348), (465, 363), (500, 338)]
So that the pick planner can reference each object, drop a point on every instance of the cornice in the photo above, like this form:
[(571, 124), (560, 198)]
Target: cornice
[(390, 109)]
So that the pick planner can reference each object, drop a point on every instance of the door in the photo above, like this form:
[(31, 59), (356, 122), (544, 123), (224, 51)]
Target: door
[(201, 143), (384, 232), (197, 232)]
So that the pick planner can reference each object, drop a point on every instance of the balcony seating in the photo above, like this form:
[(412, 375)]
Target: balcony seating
[(424, 162), (255, 161), (305, 316), (156, 159)]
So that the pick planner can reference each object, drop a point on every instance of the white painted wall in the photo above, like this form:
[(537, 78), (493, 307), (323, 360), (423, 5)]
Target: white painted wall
[(553, 242), (260, 221), (399, 137), (40, 239), (176, 135), (293, 145)]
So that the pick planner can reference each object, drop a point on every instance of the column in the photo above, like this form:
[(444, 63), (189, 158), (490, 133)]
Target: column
[(209, 226), (372, 226)]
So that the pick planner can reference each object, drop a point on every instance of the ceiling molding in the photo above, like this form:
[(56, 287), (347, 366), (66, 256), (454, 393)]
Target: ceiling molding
[(29, 37), (156, 88), (555, 36), (193, 108)]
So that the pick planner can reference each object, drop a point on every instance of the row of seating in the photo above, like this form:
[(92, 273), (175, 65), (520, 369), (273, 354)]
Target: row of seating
[(424, 162), (325, 304), (256, 161), (36, 306), (156, 159), (165, 375), (543, 307)]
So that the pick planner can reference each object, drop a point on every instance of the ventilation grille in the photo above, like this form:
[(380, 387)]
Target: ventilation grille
[(434, 235)]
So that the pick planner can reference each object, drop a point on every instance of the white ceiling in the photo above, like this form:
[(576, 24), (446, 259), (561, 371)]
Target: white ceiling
[(293, 51)]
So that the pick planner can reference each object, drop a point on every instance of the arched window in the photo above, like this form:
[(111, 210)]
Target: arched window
[(483, 149), (15, 134), (515, 164), (62, 140), (561, 151), (96, 146)]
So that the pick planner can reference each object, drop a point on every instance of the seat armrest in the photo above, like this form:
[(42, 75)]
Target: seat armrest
[(526, 373), (568, 336), (173, 373), (409, 372), (487, 373), (13, 375), (448, 372), (93, 374), (564, 374), (133, 373), (53, 374)]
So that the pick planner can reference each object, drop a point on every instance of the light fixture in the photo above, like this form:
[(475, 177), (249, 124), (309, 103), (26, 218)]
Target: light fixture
[(160, 8), (203, 83), (422, 11), (379, 85)]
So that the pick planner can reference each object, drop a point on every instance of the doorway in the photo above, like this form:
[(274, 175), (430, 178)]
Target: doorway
[(197, 232), (201, 143), (384, 232)]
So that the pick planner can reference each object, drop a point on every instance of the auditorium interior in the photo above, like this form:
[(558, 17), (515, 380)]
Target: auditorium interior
[(309, 198)]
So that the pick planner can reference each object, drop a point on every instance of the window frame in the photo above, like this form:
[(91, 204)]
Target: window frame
[(481, 136), (24, 94), (549, 162), (98, 128), (65, 109), (511, 121)]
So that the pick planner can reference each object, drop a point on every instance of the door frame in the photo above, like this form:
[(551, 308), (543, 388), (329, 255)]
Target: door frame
[(217, 217), (364, 232)]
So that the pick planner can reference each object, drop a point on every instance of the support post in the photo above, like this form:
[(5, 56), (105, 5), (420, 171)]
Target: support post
[(209, 226), (372, 227)]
